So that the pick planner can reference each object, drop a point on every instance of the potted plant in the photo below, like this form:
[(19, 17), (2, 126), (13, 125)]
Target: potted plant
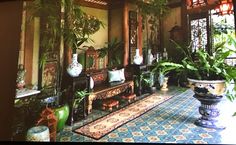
[(162, 68), (77, 30), (114, 51), (60, 110), (209, 76), (147, 82), (79, 95)]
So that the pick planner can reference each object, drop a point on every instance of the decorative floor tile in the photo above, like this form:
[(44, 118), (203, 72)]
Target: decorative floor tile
[(179, 137), (153, 139), (113, 135), (128, 140), (137, 134), (169, 122), (199, 142)]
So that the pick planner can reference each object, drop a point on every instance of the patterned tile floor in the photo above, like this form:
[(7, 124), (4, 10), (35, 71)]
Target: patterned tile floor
[(169, 122)]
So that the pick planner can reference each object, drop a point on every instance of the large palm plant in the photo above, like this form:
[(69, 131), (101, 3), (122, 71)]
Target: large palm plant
[(78, 25), (205, 66)]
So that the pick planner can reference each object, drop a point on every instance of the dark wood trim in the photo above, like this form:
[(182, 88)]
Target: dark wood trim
[(10, 28), (174, 4), (202, 9), (126, 33), (92, 5), (117, 4), (28, 50), (234, 3), (184, 21)]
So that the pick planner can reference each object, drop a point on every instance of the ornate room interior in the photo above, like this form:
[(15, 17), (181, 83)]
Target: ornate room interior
[(118, 71)]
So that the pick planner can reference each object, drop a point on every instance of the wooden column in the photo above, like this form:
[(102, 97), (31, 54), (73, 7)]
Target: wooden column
[(234, 4), (184, 21), (126, 33), (10, 28), (140, 36)]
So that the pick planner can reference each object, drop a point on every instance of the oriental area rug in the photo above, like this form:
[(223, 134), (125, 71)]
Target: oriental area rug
[(101, 127)]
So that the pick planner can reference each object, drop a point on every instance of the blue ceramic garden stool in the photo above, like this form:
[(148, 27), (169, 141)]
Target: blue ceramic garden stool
[(38, 134)]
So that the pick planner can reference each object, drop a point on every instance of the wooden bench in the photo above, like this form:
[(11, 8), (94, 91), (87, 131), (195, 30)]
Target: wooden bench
[(104, 90)]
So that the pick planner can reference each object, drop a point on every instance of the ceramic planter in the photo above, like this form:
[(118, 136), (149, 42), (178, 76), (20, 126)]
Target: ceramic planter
[(163, 81), (62, 114), (209, 93), (38, 134), (207, 87), (137, 58)]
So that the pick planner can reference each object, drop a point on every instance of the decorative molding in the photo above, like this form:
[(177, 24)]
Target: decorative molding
[(100, 4)]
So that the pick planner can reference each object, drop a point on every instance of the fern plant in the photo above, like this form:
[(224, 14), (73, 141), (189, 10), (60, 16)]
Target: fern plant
[(78, 25), (164, 67), (79, 96), (205, 66), (114, 50)]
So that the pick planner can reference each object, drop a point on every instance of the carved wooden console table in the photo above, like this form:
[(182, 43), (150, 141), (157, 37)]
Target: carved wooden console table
[(104, 90), (107, 91)]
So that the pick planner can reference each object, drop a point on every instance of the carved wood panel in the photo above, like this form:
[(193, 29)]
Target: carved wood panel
[(132, 34)]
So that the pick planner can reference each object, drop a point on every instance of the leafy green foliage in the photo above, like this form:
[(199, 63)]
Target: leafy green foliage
[(157, 8), (234, 114), (76, 29), (164, 67), (51, 31), (78, 25), (205, 66), (79, 96), (114, 50)]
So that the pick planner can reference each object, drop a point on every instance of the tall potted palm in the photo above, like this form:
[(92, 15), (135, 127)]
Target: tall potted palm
[(77, 30), (209, 77)]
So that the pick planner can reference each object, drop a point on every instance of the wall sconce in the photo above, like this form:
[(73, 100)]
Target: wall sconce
[(196, 3)]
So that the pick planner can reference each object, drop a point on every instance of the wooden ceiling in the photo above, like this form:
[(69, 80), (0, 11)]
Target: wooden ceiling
[(101, 4)]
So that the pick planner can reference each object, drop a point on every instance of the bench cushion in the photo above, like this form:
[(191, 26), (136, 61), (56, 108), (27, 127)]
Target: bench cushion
[(116, 75)]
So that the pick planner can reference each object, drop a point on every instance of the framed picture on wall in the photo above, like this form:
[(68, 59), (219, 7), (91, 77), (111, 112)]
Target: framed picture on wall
[(49, 76)]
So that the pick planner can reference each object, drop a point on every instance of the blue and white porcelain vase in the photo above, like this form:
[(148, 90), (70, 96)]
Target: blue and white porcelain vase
[(74, 69), (137, 58)]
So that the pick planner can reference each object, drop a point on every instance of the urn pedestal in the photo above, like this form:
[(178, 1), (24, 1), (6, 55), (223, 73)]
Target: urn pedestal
[(165, 84), (209, 93), (209, 111)]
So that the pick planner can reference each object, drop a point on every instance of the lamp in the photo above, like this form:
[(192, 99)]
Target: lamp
[(196, 3), (224, 7)]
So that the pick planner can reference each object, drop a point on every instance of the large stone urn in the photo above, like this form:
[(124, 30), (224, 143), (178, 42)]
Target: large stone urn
[(209, 93)]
